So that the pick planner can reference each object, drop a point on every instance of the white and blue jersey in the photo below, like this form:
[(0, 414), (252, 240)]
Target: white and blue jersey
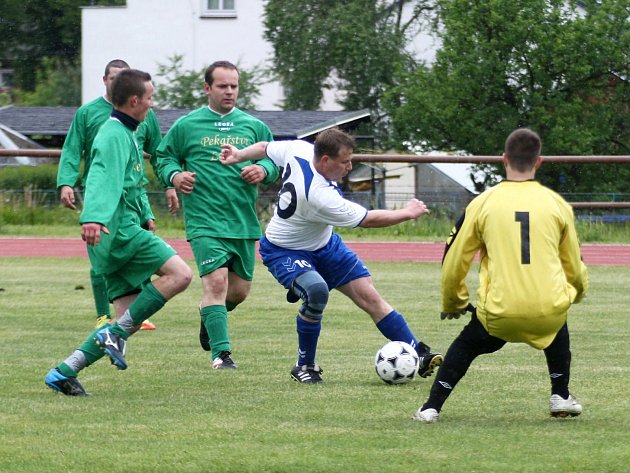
[(309, 205), (300, 235)]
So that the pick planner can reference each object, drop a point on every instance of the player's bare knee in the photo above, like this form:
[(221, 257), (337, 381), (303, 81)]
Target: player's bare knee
[(183, 277)]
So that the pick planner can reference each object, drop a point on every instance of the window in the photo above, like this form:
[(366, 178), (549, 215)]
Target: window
[(218, 8)]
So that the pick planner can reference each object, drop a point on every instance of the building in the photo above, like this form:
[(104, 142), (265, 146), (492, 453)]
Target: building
[(146, 33)]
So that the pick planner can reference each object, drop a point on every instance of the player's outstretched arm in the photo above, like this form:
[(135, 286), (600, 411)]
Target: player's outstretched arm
[(232, 155), (384, 218)]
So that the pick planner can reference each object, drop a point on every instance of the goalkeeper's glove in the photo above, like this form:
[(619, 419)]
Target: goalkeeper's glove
[(458, 313)]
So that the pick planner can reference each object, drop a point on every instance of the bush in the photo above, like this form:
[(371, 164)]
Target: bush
[(43, 176)]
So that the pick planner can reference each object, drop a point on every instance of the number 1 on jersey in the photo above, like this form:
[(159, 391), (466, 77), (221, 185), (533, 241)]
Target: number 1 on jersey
[(523, 219)]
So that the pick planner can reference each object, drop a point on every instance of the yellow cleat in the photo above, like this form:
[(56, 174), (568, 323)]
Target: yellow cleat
[(102, 320)]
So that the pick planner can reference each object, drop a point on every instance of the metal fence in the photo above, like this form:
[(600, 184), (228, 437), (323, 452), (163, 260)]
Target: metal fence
[(607, 207)]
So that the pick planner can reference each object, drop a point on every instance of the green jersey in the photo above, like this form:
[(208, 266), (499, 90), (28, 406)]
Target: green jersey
[(114, 195), (83, 129), (221, 205)]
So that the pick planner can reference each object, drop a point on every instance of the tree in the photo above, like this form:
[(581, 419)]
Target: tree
[(177, 87), (559, 68), (180, 88), (58, 84), (31, 31), (353, 46)]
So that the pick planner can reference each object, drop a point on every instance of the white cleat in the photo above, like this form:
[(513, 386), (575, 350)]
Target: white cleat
[(559, 407), (428, 416)]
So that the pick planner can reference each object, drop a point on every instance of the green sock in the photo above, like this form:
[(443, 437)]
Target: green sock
[(66, 370), (215, 320), (91, 351), (99, 289), (148, 302)]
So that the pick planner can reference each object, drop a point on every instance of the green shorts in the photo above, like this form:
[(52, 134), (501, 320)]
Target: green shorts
[(213, 253), (149, 257)]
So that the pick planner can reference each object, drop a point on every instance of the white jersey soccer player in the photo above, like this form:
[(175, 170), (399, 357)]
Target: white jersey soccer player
[(304, 254), (309, 205)]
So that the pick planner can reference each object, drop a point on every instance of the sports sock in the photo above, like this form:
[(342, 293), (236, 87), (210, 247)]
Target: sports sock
[(558, 356), (148, 302), (72, 365), (215, 320), (458, 359), (308, 334), (99, 289), (394, 327), (88, 353)]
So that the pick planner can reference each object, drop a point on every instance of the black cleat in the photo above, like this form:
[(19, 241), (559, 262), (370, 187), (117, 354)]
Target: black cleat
[(428, 363), (64, 384), (114, 345), (224, 361), (307, 374)]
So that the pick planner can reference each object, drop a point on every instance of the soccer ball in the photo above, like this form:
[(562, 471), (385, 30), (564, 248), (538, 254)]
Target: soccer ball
[(396, 363)]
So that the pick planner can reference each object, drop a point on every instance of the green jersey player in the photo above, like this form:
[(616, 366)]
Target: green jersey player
[(219, 202), (78, 146), (127, 254)]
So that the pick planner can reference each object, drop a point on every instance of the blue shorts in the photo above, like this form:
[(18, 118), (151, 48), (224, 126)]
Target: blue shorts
[(335, 262)]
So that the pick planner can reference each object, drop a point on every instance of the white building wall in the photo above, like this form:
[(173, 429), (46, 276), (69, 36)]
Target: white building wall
[(146, 33)]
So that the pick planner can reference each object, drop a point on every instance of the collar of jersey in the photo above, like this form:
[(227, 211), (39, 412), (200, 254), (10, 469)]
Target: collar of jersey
[(222, 116)]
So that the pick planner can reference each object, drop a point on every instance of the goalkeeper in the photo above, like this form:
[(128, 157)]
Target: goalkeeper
[(531, 272)]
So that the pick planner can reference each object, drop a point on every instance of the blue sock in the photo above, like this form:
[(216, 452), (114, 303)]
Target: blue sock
[(308, 334), (394, 327)]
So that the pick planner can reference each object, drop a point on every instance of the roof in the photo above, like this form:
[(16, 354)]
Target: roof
[(55, 121), (11, 139)]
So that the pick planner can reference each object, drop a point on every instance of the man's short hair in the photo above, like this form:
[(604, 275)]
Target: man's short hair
[(522, 149), (208, 77), (118, 63), (128, 83), (331, 141)]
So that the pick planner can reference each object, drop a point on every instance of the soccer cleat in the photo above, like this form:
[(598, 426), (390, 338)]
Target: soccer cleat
[(224, 361), (428, 363), (102, 320), (204, 339), (67, 385), (307, 374), (428, 416), (559, 407), (146, 325), (114, 345)]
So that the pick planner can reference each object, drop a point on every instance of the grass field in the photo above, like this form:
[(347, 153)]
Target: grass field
[(169, 412)]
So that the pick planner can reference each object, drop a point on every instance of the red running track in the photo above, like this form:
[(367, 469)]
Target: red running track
[(418, 252)]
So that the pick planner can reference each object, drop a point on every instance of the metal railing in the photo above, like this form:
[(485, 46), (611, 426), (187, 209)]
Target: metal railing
[(430, 159)]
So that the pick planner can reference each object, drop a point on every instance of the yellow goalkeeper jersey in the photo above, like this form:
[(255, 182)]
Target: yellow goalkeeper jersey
[(531, 269)]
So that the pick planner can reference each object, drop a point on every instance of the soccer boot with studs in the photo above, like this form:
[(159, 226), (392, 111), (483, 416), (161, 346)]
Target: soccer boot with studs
[(224, 361), (67, 385), (428, 363), (428, 416), (307, 374), (114, 345), (559, 407)]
